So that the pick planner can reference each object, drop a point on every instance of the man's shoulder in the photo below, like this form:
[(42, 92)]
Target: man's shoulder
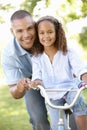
[(9, 49), (9, 44)]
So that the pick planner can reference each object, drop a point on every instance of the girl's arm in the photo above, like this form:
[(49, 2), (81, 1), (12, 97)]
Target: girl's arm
[(84, 77)]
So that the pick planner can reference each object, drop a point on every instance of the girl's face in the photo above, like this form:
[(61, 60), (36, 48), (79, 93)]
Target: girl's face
[(46, 33)]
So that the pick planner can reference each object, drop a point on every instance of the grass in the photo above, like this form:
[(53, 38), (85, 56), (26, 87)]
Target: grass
[(13, 115)]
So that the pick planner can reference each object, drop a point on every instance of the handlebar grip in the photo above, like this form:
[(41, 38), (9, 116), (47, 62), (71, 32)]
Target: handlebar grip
[(81, 84)]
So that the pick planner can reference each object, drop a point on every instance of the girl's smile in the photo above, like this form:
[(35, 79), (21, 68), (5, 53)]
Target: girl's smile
[(47, 34)]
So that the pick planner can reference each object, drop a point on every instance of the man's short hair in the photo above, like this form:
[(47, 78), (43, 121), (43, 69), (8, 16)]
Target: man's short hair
[(19, 14)]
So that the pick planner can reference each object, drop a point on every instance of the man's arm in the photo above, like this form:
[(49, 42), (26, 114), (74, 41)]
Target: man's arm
[(18, 90)]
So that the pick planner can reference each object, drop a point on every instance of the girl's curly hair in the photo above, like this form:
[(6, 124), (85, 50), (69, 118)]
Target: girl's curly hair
[(60, 43)]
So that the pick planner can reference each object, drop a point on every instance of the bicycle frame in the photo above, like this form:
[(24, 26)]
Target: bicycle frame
[(61, 125)]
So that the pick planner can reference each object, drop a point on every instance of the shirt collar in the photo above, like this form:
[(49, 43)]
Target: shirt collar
[(20, 51), (15, 48)]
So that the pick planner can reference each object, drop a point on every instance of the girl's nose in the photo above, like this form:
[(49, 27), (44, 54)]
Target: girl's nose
[(46, 35)]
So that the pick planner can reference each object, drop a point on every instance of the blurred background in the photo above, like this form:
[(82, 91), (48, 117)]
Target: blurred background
[(72, 14)]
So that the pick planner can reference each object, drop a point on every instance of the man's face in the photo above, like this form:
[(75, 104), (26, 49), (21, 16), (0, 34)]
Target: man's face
[(24, 31)]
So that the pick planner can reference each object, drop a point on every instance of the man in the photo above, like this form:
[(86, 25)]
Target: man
[(16, 62)]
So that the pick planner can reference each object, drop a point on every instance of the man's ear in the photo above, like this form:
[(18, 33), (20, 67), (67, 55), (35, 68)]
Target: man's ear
[(11, 29)]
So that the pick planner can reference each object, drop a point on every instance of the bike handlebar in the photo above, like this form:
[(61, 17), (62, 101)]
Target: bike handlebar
[(68, 106)]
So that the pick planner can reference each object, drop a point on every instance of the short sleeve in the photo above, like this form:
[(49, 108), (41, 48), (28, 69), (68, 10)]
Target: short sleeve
[(11, 71)]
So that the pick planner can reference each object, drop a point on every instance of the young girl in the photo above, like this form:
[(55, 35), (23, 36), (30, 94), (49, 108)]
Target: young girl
[(53, 67)]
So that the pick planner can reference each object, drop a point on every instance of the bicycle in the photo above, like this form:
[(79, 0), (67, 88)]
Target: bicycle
[(61, 124)]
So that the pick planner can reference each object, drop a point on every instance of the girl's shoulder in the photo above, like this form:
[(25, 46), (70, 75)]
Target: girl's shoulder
[(71, 50), (72, 54)]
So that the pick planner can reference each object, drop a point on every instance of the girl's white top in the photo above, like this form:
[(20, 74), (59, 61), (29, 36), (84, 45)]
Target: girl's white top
[(59, 73)]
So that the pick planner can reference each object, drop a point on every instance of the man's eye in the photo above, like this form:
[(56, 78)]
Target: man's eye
[(30, 28), (19, 31)]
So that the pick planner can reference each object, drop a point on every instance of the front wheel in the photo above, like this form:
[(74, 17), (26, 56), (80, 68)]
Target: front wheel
[(61, 127)]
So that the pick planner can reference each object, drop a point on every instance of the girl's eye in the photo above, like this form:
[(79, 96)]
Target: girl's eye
[(50, 31), (41, 32)]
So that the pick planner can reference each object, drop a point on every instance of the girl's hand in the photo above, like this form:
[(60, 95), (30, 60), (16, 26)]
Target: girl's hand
[(33, 84)]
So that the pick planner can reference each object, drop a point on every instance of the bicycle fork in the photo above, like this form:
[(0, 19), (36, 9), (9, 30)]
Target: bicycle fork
[(63, 125), (67, 119)]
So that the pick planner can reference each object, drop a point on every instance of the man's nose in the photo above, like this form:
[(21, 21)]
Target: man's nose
[(25, 33)]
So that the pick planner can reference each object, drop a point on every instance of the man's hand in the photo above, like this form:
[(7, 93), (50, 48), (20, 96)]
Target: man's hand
[(18, 90), (23, 84)]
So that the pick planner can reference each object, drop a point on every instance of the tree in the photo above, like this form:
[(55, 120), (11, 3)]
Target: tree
[(29, 5), (72, 9), (83, 38), (4, 8)]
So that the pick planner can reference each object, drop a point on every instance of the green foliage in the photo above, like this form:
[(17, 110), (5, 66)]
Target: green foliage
[(5, 8), (1, 20), (73, 16), (13, 115), (71, 10), (84, 1), (83, 38), (47, 3), (76, 10), (84, 9), (29, 5), (70, 1)]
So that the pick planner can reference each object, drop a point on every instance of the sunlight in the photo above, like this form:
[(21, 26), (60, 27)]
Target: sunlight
[(13, 2), (5, 27), (41, 9)]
